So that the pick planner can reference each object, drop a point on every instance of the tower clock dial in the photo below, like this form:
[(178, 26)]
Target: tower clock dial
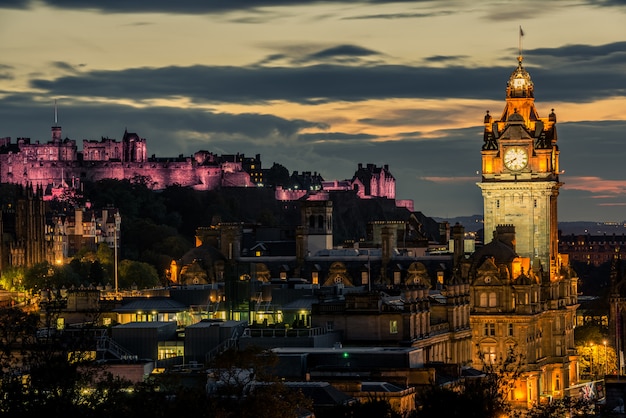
[(515, 158)]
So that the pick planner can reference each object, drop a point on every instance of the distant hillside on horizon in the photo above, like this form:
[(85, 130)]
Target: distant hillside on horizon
[(474, 223)]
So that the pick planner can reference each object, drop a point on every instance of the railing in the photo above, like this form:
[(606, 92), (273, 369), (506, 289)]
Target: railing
[(225, 345), (106, 344), (282, 332)]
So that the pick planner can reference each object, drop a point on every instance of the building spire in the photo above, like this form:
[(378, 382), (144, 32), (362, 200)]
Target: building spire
[(56, 129)]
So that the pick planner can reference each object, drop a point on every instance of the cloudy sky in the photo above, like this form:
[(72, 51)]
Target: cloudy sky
[(322, 86)]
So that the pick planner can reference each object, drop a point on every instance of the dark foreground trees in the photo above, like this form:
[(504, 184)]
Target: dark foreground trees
[(44, 373)]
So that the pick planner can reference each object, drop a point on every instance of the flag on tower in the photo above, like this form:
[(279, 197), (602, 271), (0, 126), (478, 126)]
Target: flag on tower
[(521, 32)]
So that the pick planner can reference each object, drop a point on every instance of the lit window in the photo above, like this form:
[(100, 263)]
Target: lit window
[(315, 277), (489, 351), (483, 299), (393, 327)]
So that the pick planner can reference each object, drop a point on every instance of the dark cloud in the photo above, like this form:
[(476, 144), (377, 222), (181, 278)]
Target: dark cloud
[(445, 58), (259, 84), (336, 136), (399, 117), (559, 74), (341, 51), (179, 6), (16, 4), (216, 7), (339, 55), (435, 172), (64, 66), (172, 130), (579, 52), (6, 72), (607, 3), (400, 15)]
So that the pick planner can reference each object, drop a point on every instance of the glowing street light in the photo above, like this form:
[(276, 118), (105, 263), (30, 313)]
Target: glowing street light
[(118, 221)]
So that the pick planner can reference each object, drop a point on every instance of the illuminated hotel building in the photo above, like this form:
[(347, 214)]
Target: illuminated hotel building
[(523, 292)]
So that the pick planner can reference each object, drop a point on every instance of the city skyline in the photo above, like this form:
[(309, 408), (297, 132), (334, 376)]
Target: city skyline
[(322, 87)]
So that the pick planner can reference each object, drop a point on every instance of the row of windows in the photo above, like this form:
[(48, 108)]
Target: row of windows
[(489, 330), (490, 300), (521, 200)]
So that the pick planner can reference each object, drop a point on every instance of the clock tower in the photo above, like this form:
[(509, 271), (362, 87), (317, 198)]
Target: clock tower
[(523, 293), (520, 175)]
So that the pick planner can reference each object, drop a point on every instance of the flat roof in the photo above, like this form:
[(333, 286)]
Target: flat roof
[(154, 304), (218, 323), (323, 350), (147, 324)]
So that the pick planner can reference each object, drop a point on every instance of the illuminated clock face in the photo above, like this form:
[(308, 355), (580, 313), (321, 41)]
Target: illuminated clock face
[(515, 158)]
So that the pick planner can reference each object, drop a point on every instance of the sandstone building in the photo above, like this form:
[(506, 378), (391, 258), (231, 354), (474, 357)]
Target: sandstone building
[(523, 292)]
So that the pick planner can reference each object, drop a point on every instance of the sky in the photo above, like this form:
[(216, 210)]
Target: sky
[(322, 86)]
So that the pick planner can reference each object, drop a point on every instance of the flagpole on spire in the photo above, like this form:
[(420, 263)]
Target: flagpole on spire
[(521, 35)]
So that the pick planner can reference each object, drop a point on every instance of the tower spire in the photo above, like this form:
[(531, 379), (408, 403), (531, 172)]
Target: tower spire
[(56, 129)]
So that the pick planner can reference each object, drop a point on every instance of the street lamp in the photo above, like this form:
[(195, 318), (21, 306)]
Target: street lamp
[(118, 221)]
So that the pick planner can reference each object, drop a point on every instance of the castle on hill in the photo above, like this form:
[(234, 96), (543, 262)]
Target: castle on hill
[(58, 164), (58, 167)]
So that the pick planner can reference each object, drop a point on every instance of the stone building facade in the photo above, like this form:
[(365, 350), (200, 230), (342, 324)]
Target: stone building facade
[(523, 292), (58, 164), (23, 240)]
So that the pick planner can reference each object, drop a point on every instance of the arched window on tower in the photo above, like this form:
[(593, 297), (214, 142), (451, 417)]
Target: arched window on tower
[(493, 299), (483, 299)]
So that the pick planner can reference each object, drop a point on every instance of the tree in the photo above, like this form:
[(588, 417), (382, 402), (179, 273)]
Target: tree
[(12, 278), (493, 390), (485, 396), (594, 360), (47, 373), (371, 408), (106, 256), (137, 273), (245, 386), (557, 408), (38, 277)]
